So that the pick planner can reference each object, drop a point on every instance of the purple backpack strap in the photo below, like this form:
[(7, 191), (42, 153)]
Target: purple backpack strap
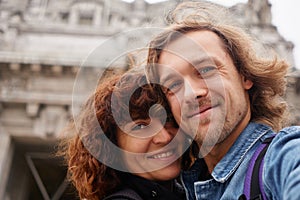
[(253, 185)]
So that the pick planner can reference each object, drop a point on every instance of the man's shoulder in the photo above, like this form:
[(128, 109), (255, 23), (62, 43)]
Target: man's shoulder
[(285, 143), (290, 129), (281, 163), (287, 134)]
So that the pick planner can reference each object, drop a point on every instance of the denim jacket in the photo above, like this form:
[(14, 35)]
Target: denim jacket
[(281, 170)]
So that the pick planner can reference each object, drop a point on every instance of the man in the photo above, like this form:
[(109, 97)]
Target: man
[(229, 98)]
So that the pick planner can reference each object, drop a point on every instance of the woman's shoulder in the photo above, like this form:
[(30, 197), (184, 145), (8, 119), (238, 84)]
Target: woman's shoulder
[(124, 194)]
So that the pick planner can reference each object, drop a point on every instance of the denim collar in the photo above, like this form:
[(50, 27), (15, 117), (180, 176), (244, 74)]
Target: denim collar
[(250, 137), (230, 162)]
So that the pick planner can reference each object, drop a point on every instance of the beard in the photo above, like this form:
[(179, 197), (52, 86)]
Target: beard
[(215, 128)]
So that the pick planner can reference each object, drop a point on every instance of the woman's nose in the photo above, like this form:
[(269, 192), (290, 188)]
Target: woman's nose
[(163, 136)]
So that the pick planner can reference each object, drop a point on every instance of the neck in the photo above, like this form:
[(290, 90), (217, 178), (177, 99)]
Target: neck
[(218, 151)]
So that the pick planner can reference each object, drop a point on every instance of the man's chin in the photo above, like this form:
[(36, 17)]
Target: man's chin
[(207, 134), (196, 127)]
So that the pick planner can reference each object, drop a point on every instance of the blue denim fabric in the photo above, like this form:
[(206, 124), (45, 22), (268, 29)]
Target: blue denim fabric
[(281, 175)]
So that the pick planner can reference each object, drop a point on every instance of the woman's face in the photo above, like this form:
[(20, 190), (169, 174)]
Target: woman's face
[(150, 149)]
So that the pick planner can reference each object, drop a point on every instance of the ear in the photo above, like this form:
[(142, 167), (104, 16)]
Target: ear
[(247, 84)]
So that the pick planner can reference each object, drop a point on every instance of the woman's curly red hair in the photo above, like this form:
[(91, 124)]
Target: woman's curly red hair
[(93, 179)]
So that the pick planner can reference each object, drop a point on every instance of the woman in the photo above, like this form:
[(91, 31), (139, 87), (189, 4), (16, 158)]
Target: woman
[(127, 144)]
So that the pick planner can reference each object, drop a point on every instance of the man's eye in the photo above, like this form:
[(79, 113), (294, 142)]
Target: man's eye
[(207, 70), (174, 85)]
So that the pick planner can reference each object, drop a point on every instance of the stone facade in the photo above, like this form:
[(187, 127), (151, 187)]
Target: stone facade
[(42, 45)]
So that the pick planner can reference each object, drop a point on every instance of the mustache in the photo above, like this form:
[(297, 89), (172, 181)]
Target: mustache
[(198, 103)]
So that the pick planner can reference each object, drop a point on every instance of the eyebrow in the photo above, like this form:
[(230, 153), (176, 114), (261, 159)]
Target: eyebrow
[(194, 62), (203, 59)]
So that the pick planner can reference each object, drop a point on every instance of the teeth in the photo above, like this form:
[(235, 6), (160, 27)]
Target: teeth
[(163, 155)]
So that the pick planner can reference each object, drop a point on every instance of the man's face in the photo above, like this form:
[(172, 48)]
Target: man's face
[(207, 95)]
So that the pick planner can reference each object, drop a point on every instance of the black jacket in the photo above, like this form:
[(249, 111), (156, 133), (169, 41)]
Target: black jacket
[(150, 190)]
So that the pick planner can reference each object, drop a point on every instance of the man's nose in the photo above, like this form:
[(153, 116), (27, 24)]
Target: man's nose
[(194, 89)]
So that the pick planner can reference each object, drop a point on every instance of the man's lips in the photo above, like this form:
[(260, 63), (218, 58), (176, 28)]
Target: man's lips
[(199, 111)]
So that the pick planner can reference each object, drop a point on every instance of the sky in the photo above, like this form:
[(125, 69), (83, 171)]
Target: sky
[(285, 14)]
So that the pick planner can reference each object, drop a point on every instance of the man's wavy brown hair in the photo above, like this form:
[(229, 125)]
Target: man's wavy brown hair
[(267, 74), (93, 179)]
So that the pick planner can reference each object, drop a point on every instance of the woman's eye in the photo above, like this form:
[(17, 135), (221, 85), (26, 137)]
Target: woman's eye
[(174, 86), (138, 127), (170, 124)]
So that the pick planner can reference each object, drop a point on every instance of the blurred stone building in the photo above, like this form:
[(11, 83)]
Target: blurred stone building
[(43, 43)]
